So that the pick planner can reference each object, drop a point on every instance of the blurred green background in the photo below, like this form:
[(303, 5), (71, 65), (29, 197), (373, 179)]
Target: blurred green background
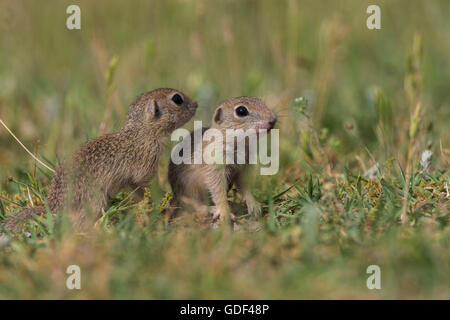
[(53, 88), (60, 88)]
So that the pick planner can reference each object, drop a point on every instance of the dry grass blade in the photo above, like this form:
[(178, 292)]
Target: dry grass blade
[(26, 149)]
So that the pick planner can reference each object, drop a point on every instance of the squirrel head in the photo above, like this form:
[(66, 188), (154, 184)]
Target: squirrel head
[(243, 113), (160, 111)]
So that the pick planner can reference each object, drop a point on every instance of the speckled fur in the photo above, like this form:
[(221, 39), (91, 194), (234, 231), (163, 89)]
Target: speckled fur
[(127, 159)]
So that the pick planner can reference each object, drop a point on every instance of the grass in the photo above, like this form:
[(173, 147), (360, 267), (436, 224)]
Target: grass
[(325, 219)]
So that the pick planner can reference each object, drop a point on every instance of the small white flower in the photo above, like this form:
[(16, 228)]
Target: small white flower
[(425, 160), (372, 172), (299, 99)]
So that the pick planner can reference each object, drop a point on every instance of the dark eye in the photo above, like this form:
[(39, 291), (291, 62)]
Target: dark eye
[(241, 111), (177, 99)]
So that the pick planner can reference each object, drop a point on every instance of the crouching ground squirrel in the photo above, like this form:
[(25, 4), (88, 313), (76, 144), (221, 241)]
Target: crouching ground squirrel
[(106, 165), (195, 181)]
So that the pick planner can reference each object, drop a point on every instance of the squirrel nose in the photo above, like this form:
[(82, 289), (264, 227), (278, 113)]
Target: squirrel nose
[(272, 122)]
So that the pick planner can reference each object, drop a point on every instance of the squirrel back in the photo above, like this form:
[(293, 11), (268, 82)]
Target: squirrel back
[(125, 159)]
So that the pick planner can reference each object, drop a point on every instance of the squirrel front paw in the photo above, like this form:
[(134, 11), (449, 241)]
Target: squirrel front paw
[(253, 207), (218, 216)]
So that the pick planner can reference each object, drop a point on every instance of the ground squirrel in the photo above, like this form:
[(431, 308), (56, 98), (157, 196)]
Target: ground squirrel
[(126, 159), (195, 181)]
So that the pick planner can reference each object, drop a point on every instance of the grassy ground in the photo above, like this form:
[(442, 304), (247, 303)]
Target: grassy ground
[(370, 97)]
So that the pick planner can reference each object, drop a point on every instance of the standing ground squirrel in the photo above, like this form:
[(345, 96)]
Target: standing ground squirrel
[(194, 181), (106, 165)]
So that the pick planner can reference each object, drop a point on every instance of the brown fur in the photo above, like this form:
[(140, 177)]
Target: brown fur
[(196, 181), (127, 159)]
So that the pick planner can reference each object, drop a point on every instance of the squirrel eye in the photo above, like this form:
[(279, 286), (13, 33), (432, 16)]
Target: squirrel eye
[(241, 111), (177, 99)]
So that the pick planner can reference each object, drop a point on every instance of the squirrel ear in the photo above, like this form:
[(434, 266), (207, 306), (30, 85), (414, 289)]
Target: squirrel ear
[(153, 109), (218, 116)]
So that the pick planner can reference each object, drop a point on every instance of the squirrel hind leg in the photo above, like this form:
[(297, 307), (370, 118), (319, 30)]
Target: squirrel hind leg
[(14, 223)]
